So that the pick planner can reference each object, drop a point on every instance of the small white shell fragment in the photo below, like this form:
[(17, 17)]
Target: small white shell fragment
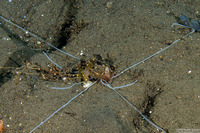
[(190, 71), (81, 52), (87, 84), (64, 78), (38, 42)]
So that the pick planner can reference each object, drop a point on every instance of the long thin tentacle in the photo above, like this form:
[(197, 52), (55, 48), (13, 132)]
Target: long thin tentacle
[(39, 38), (113, 88), (145, 59), (180, 25), (61, 108), (51, 60)]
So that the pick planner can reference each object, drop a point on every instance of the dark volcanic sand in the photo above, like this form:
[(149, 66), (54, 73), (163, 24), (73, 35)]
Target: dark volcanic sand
[(126, 30)]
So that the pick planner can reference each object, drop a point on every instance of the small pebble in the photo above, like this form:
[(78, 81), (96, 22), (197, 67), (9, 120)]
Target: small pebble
[(189, 71), (109, 4)]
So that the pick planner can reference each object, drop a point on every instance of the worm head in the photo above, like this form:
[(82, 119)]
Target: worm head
[(185, 19), (195, 25), (107, 75)]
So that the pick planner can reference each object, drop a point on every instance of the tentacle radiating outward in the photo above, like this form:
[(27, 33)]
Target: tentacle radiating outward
[(61, 107), (114, 89), (39, 38)]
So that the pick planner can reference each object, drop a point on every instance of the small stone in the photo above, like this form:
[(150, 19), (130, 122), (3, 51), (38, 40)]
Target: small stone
[(109, 4)]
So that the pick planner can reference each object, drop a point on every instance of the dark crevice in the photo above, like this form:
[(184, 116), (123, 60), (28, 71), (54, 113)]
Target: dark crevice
[(70, 28), (154, 89), (65, 32), (150, 103), (18, 58)]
